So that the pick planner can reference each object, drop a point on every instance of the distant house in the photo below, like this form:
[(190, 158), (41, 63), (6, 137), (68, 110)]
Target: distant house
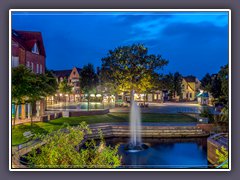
[(190, 87), (28, 49), (72, 76)]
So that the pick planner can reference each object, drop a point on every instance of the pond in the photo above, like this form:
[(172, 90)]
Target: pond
[(164, 153)]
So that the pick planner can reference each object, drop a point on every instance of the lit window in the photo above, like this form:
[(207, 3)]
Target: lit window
[(35, 49), (15, 61), (28, 64), (32, 65), (40, 69), (37, 68)]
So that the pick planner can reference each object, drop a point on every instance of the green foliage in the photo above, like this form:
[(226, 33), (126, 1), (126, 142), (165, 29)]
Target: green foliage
[(30, 87), (126, 68), (64, 87), (61, 150), (88, 78), (207, 114), (206, 83), (217, 84), (53, 125), (88, 81), (22, 83), (225, 114), (173, 83), (222, 156)]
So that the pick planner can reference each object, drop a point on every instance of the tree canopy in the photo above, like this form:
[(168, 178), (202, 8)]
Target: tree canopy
[(88, 81), (217, 84), (173, 83), (128, 68), (30, 87)]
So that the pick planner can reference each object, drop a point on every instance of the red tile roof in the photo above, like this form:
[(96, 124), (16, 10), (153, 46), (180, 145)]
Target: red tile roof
[(27, 39), (64, 73)]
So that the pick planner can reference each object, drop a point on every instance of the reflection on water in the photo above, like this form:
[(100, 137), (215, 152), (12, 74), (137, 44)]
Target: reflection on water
[(165, 153), (81, 106)]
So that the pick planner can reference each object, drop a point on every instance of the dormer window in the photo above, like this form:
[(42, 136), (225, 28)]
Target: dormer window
[(35, 49)]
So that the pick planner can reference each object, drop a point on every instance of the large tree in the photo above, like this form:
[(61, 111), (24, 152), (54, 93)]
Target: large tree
[(28, 87), (22, 84), (88, 81), (217, 84), (173, 83), (126, 67)]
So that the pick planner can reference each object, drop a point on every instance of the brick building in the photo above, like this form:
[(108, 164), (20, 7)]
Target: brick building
[(72, 76), (28, 49)]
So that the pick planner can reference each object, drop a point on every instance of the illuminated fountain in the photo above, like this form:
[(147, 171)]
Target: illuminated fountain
[(135, 128)]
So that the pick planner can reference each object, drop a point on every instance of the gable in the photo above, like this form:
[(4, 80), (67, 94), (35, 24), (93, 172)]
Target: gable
[(74, 73), (27, 39)]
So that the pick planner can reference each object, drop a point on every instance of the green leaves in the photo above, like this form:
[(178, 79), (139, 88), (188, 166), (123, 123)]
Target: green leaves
[(61, 151), (127, 67), (88, 78), (64, 87), (222, 156), (28, 86)]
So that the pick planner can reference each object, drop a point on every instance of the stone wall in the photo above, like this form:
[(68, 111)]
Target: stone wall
[(212, 146), (206, 127)]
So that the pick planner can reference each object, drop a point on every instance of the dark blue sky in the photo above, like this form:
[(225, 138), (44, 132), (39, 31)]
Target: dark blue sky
[(194, 42)]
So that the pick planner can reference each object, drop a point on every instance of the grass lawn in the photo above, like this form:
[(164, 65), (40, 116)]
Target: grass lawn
[(46, 127)]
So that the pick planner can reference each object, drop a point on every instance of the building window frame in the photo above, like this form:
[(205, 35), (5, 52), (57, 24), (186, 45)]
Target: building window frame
[(15, 61), (32, 66), (37, 66)]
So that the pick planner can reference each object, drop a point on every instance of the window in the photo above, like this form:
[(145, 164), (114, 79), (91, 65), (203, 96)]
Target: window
[(190, 95), (155, 96), (28, 64), (37, 68), (15, 61), (35, 49), (41, 69), (32, 66)]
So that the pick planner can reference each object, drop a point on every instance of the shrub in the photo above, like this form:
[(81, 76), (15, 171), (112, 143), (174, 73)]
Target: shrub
[(61, 150)]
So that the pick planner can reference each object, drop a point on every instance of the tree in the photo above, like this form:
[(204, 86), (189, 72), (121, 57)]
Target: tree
[(30, 87), (217, 84), (64, 88), (22, 84), (43, 85), (127, 66), (88, 81), (173, 83), (177, 84), (223, 76), (62, 149), (206, 83)]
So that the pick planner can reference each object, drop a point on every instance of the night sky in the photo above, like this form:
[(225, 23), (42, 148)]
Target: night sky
[(194, 42)]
